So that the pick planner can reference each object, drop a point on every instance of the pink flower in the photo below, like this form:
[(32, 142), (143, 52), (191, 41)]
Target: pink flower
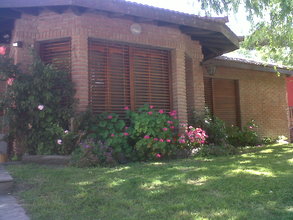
[(59, 141), (147, 137), (150, 113), (173, 113), (161, 140), (181, 141), (2, 50), (151, 106), (126, 108), (156, 139), (10, 81), (172, 127), (250, 127), (158, 155), (126, 134), (161, 111), (110, 116), (126, 128), (112, 135), (165, 129), (170, 122), (168, 140), (41, 107)]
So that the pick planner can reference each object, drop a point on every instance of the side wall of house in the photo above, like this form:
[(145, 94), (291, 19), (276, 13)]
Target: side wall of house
[(263, 98), (50, 25)]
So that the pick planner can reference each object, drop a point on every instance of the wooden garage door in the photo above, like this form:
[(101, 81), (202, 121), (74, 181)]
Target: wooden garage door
[(222, 97)]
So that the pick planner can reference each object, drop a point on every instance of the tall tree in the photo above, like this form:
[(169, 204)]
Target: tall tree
[(272, 27)]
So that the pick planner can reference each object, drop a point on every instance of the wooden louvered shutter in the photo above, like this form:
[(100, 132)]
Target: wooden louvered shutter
[(57, 53), (108, 77), (189, 86), (223, 95), (151, 78)]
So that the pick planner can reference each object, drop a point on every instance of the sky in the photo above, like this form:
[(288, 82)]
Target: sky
[(237, 22)]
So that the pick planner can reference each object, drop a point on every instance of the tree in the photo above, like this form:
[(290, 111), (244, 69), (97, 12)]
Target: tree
[(272, 32)]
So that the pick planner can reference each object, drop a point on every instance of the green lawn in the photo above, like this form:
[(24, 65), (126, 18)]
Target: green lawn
[(255, 185)]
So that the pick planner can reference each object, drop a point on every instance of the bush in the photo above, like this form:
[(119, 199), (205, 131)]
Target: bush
[(213, 126), (38, 105), (152, 133), (245, 137)]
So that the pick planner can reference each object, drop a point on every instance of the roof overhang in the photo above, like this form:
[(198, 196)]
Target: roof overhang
[(240, 63), (213, 34)]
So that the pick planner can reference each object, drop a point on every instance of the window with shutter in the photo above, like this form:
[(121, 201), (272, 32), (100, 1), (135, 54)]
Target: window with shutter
[(57, 52), (222, 97), (124, 75)]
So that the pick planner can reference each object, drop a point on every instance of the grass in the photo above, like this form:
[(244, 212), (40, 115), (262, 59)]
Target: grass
[(256, 185)]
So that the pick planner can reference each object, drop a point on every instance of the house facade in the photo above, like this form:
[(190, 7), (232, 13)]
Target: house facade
[(126, 54)]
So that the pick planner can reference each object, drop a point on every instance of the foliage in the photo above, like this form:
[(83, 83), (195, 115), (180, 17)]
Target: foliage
[(92, 153), (214, 127), (272, 32), (256, 185), (152, 132), (269, 140), (247, 136), (38, 103), (192, 138)]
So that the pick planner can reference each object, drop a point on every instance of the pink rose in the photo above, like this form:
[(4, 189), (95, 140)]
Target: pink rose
[(172, 127), (170, 122), (165, 129), (126, 108), (125, 134), (151, 106), (158, 155), (112, 135), (156, 139), (147, 137), (161, 140), (168, 140), (161, 111), (150, 113), (110, 116), (2, 50), (10, 81)]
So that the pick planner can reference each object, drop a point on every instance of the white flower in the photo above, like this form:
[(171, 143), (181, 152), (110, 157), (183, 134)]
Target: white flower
[(59, 141), (41, 107)]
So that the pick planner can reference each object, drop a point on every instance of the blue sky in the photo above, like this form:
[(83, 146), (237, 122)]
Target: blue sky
[(237, 22)]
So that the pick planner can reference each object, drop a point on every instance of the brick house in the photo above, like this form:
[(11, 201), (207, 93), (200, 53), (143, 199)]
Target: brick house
[(127, 54)]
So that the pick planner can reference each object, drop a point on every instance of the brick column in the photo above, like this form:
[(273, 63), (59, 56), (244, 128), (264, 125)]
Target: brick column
[(179, 84), (80, 67)]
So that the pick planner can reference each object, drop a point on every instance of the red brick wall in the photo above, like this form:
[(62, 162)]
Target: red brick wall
[(49, 25), (262, 98)]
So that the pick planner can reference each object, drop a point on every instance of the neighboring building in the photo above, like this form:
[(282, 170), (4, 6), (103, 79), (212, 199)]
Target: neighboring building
[(127, 54)]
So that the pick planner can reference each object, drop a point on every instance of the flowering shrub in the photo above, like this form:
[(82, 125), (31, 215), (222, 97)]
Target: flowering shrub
[(192, 137), (247, 136), (152, 133), (38, 105)]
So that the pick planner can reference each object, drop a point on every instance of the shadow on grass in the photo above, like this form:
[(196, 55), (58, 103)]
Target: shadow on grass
[(250, 186)]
